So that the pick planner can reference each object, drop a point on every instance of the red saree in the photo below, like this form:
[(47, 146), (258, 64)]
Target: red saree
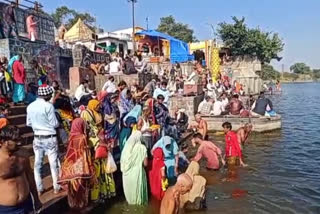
[(77, 168), (155, 176)]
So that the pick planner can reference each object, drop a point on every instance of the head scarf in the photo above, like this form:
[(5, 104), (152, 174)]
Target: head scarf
[(135, 113), (11, 61), (131, 151), (101, 95), (107, 104), (198, 186), (155, 176), (78, 127), (93, 107)]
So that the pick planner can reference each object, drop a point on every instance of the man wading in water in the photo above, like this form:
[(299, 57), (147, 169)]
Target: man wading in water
[(243, 133), (16, 177)]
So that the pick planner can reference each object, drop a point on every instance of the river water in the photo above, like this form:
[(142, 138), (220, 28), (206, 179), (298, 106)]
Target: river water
[(283, 175)]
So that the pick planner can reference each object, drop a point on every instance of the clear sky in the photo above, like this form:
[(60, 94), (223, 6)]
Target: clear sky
[(297, 22)]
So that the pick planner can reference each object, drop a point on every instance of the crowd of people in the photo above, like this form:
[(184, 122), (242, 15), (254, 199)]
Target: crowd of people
[(96, 127)]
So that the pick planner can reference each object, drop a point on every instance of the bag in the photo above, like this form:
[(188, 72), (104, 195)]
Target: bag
[(101, 152), (111, 166)]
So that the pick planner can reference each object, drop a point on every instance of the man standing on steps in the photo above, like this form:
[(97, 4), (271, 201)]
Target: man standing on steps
[(41, 117)]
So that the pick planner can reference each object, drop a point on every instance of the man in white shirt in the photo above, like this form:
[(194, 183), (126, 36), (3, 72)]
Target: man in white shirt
[(217, 108), (82, 90), (224, 100), (164, 92), (41, 117), (205, 106), (211, 90), (114, 67), (109, 86)]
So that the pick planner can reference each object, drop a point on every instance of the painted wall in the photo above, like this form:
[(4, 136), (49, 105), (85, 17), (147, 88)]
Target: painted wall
[(45, 23)]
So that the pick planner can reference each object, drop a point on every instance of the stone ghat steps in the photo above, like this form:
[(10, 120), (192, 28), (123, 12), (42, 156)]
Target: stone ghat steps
[(18, 118)]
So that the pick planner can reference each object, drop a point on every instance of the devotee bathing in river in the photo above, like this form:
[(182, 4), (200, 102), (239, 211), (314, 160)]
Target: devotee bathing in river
[(170, 203), (233, 152), (195, 198), (201, 126), (207, 150), (243, 133)]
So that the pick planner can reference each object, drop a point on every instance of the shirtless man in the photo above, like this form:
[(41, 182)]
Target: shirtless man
[(16, 177), (171, 201), (201, 126), (243, 133)]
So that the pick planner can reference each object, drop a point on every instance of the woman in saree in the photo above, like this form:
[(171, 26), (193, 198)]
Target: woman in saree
[(111, 118), (126, 103), (65, 116), (77, 168), (195, 199), (171, 157), (157, 174), (129, 121), (104, 186), (133, 160)]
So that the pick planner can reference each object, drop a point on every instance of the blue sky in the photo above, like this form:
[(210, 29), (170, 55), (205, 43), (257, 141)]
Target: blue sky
[(297, 22)]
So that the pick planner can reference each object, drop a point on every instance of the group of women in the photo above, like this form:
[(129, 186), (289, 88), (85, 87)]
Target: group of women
[(87, 177), (145, 165)]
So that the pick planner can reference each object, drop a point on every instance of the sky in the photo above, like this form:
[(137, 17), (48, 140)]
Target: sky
[(297, 22)]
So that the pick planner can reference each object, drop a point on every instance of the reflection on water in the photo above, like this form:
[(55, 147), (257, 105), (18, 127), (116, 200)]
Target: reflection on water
[(283, 175)]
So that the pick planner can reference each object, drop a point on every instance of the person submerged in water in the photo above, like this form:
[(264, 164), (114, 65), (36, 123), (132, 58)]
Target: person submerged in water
[(170, 203), (243, 133), (16, 178)]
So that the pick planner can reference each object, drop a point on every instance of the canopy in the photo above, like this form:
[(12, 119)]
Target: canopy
[(179, 51), (79, 32)]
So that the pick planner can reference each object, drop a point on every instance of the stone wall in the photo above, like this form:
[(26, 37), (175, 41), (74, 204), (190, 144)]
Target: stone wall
[(243, 69), (45, 23), (190, 104), (79, 74), (83, 57), (55, 59), (129, 79)]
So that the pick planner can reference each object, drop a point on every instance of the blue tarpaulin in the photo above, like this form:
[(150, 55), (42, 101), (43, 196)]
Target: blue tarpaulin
[(179, 50)]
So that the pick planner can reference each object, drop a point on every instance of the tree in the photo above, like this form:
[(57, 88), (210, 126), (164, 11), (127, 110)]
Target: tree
[(316, 74), (178, 30), (68, 17), (300, 68), (253, 42), (268, 73)]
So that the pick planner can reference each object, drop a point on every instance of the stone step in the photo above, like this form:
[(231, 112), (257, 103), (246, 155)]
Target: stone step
[(17, 119), (24, 129), (16, 110)]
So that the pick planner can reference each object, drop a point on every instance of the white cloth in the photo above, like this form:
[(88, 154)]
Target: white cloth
[(163, 92), (217, 108), (80, 91), (114, 67), (225, 103), (42, 118), (109, 87)]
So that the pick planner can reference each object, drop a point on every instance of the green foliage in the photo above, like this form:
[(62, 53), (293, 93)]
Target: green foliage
[(68, 17), (268, 73), (300, 68), (178, 30), (316, 74), (289, 76), (244, 41)]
